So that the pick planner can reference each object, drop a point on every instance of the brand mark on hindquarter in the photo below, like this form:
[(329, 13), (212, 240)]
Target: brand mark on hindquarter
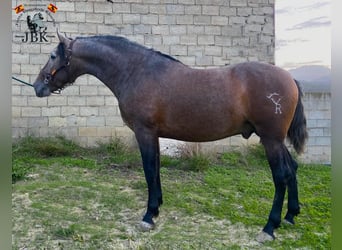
[(275, 98)]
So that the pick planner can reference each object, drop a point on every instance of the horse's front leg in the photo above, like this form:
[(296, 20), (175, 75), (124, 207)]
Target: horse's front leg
[(149, 149)]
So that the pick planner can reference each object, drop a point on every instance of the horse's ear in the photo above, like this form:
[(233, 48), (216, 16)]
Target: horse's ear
[(63, 39)]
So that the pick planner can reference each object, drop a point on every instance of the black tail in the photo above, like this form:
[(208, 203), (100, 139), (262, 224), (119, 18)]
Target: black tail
[(297, 133)]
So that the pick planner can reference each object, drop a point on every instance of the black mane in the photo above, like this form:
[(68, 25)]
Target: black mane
[(61, 50), (127, 45)]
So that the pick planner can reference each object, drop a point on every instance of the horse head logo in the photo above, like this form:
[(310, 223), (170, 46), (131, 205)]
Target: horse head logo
[(36, 23)]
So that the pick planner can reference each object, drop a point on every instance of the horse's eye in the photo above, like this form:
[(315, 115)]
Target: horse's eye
[(53, 56)]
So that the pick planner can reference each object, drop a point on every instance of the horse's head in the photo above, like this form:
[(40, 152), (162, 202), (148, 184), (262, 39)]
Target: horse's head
[(56, 75)]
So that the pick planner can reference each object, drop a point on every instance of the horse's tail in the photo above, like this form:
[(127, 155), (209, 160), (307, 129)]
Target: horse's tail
[(297, 133)]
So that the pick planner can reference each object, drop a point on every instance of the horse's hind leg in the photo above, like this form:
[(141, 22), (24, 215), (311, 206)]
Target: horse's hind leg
[(293, 208), (278, 160)]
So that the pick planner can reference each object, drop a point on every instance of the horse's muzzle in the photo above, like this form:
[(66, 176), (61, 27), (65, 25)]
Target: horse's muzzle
[(42, 90)]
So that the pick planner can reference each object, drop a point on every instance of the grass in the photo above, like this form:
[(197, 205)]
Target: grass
[(69, 197)]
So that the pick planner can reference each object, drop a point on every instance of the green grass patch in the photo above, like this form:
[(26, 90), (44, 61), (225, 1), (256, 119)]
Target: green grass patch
[(94, 198), (45, 147)]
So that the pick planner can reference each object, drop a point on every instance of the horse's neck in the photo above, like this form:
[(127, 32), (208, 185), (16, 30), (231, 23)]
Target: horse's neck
[(105, 63)]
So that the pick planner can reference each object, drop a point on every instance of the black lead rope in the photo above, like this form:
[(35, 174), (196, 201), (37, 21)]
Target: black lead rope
[(26, 83)]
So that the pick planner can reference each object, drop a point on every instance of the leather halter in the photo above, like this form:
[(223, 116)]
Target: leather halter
[(50, 77)]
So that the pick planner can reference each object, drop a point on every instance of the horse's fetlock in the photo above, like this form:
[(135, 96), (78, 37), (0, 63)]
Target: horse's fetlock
[(294, 210), (154, 211), (275, 221)]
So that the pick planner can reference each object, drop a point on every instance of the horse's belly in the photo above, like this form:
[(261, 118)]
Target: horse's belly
[(199, 130), (197, 138)]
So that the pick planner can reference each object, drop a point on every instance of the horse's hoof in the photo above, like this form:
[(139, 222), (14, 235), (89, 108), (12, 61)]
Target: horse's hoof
[(264, 237), (145, 226), (288, 222)]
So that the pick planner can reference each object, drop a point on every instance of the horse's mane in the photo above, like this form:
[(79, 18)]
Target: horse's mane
[(126, 44), (61, 50)]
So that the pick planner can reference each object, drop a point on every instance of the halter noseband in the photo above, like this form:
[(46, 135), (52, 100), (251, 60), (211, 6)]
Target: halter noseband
[(49, 77)]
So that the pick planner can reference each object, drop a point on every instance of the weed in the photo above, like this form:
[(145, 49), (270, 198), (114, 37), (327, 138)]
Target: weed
[(117, 153), (56, 147), (114, 146), (168, 161), (255, 155), (232, 158), (250, 157), (19, 170), (192, 157), (45, 147), (197, 163), (189, 150), (25, 149), (64, 232)]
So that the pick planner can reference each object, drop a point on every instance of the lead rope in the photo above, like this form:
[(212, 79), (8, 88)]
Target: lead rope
[(26, 83)]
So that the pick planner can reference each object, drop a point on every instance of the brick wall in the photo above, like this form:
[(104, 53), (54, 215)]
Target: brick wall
[(200, 33)]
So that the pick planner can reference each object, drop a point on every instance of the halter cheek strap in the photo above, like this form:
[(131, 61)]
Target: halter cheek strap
[(50, 76)]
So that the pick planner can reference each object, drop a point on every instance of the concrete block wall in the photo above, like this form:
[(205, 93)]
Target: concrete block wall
[(200, 33), (318, 113)]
